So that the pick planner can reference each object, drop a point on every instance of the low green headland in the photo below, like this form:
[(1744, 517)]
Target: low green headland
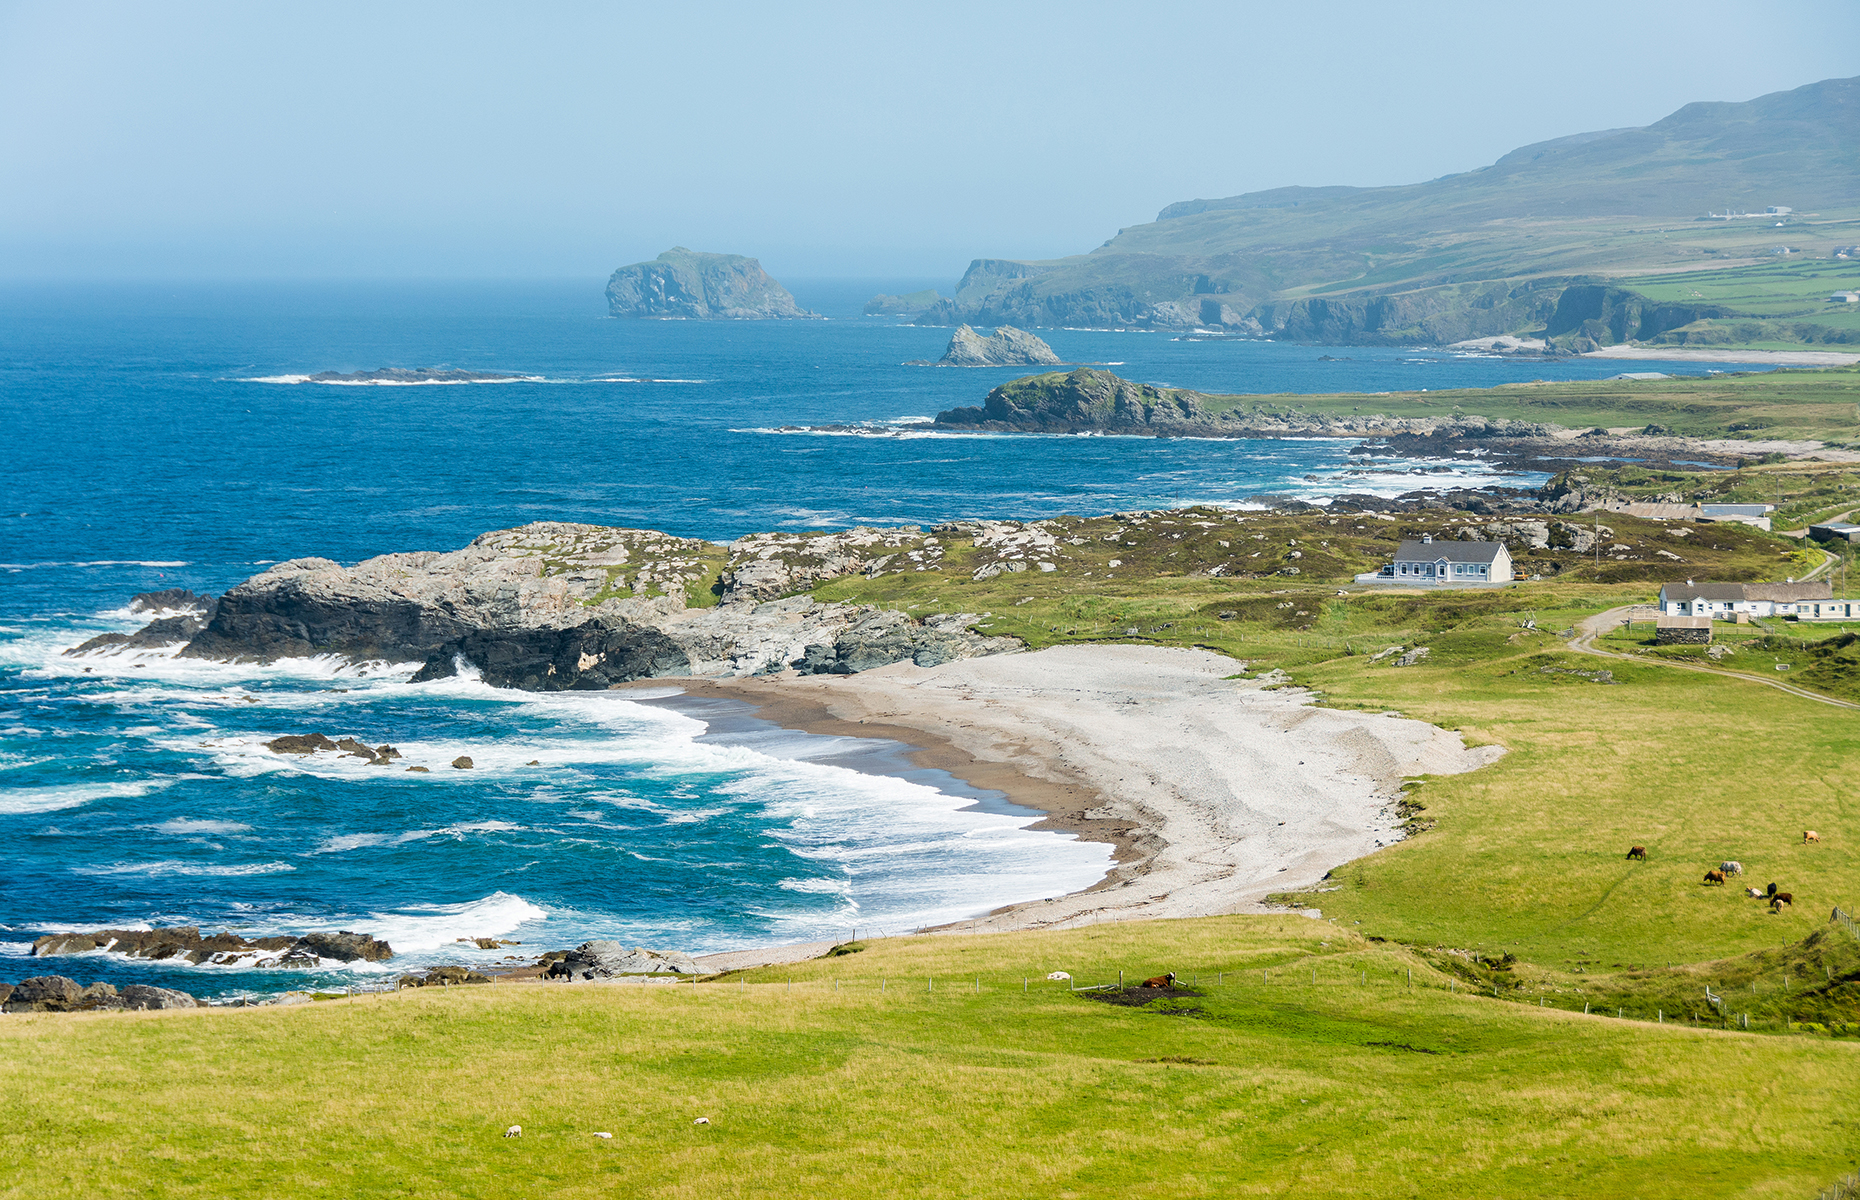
[(1502, 1003), (1823, 405)]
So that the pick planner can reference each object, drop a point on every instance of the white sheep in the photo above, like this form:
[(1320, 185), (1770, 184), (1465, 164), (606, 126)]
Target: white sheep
[(701, 1121), (514, 1131)]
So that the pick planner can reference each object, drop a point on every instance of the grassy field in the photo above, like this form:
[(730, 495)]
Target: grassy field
[(1303, 1064), (1822, 404), (1787, 288)]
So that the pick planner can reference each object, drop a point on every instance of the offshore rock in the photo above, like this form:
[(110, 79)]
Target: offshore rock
[(1081, 400), (222, 949), (691, 285), (1009, 347)]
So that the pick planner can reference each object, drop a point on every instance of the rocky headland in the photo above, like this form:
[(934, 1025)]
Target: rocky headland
[(1007, 347), (554, 606), (1088, 401), (692, 285)]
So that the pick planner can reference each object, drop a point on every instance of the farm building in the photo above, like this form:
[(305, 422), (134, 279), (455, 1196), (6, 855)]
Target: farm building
[(1428, 563), (1835, 529), (1682, 631)]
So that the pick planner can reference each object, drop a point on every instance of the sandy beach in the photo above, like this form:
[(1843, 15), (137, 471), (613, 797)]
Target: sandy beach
[(1215, 791), (1778, 358)]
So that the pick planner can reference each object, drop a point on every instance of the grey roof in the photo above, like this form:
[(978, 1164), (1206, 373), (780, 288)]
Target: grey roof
[(1788, 593), (1469, 552), (1702, 591), (1670, 621)]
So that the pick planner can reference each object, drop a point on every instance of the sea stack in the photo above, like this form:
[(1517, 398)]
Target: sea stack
[(1009, 347), (691, 285)]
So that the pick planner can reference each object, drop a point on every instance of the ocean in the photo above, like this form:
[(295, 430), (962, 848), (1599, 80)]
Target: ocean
[(149, 444)]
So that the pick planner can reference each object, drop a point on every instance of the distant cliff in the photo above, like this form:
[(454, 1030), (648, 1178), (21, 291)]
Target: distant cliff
[(1009, 347), (691, 285), (1483, 253)]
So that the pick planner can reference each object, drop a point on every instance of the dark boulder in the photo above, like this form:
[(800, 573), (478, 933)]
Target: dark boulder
[(45, 993), (142, 995), (346, 946)]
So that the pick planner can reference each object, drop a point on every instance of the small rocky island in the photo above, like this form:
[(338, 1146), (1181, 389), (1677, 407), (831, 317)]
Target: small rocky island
[(402, 375), (908, 305), (1009, 347), (691, 285)]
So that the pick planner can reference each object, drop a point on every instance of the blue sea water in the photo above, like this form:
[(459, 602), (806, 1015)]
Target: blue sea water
[(143, 450)]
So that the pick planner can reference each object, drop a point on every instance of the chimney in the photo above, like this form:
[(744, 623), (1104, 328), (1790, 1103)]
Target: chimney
[(1427, 539)]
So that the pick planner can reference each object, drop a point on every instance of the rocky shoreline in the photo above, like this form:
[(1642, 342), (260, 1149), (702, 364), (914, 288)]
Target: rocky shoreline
[(589, 962)]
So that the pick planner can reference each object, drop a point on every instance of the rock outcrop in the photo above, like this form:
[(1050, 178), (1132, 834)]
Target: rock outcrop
[(185, 943), (686, 284), (555, 606), (605, 960), (179, 615), (1008, 347)]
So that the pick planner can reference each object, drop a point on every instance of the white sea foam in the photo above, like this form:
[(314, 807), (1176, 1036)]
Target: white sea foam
[(99, 562), (174, 866), (186, 825), (437, 926), (16, 801)]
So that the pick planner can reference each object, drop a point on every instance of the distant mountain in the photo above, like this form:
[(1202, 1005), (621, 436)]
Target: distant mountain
[(1472, 255), (692, 285)]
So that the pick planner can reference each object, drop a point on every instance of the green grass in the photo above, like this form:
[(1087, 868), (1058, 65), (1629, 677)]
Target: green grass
[(1353, 1085), (1792, 287)]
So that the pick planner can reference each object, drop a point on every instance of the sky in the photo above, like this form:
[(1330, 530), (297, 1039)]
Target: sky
[(460, 140)]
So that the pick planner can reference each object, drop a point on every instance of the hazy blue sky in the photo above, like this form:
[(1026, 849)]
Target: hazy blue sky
[(457, 139)]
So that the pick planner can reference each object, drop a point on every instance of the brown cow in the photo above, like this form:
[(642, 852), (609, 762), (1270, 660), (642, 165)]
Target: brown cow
[(1639, 852), (1161, 981), (1780, 899), (1809, 835), (1714, 877)]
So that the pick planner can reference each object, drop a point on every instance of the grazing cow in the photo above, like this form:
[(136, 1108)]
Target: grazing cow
[(1161, 981), (1772, 890), (1639, 852), (1782, 898), (514, 1131), (1755, 893), (1809, 835), (1731, 868), (1714, 877)]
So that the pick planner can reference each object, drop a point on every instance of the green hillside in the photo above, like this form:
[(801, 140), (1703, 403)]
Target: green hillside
[(1470, 255)]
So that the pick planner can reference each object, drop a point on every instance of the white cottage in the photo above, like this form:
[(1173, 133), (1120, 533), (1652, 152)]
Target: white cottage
[(1726, 601), (1430, 563)]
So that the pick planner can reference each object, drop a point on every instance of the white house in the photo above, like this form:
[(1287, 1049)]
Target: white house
[(1428, 563), (1725, 601)]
